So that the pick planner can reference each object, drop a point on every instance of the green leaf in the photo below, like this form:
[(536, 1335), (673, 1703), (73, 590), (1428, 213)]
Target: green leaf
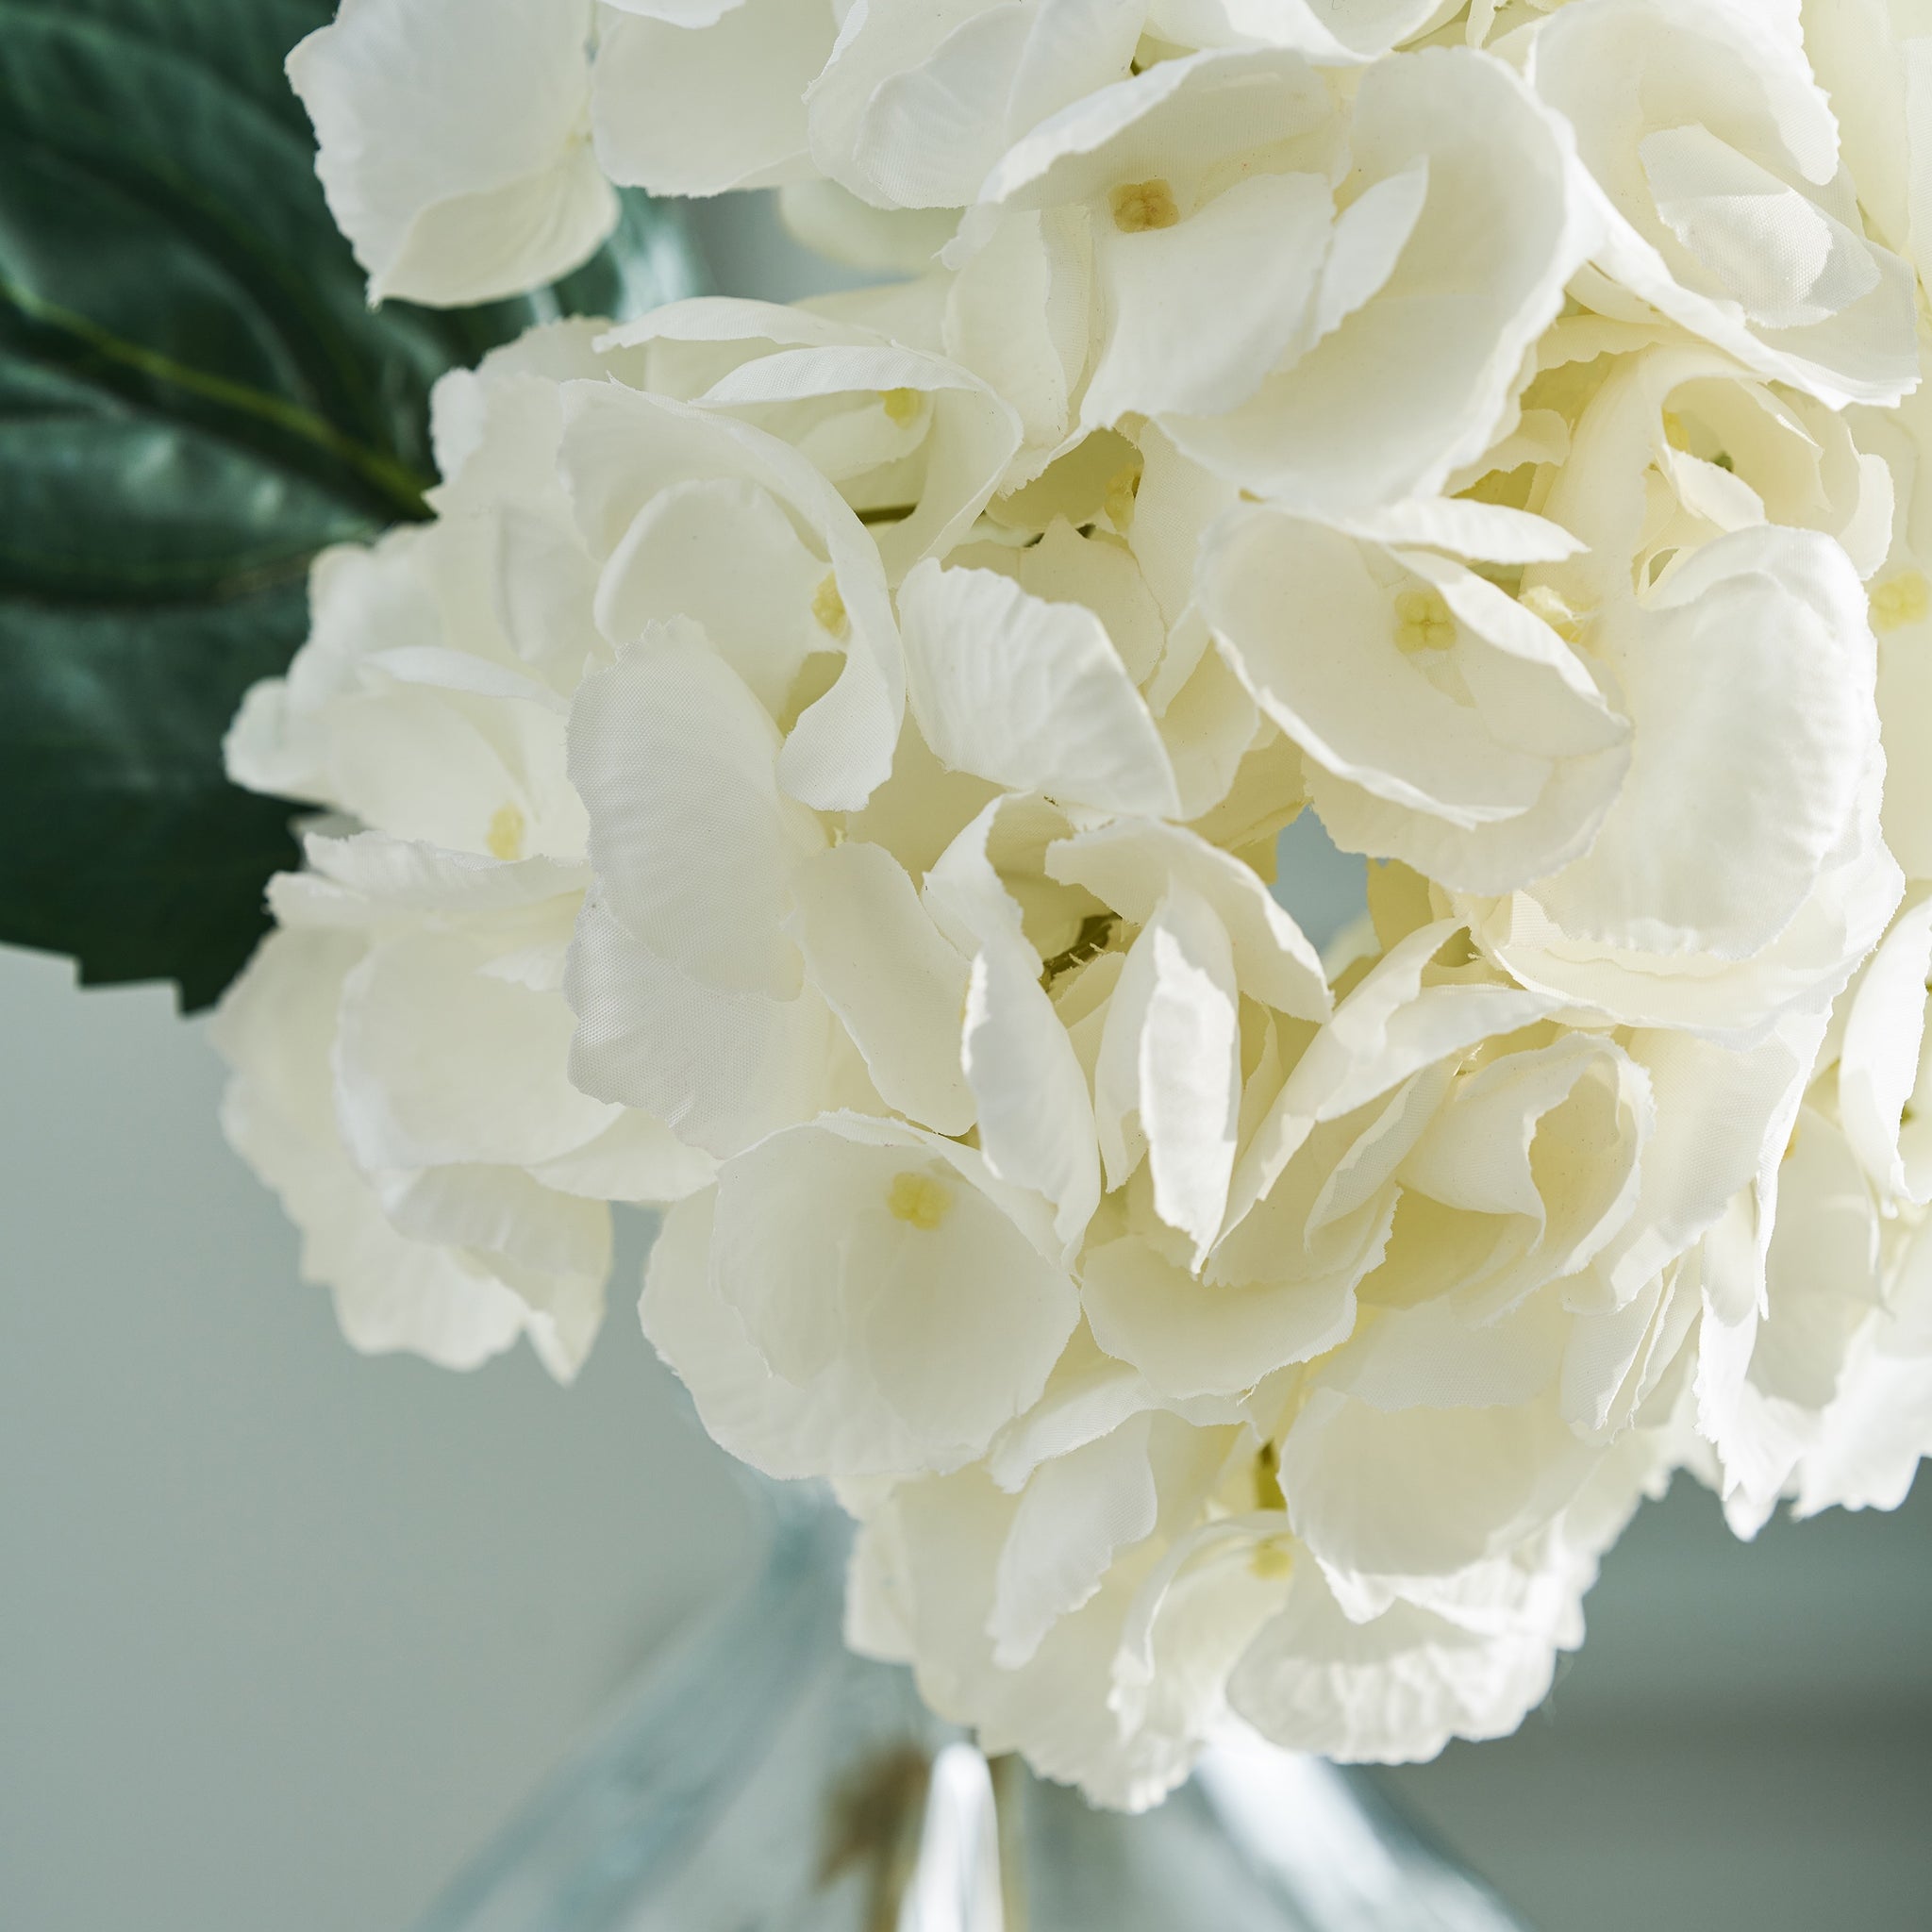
[(194, 398)]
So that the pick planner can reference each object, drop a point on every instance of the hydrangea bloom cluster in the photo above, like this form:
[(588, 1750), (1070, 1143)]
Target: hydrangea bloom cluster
[(822, 772)]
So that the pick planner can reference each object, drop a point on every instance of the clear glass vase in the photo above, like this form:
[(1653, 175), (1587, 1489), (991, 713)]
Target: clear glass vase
[(762, 1778)]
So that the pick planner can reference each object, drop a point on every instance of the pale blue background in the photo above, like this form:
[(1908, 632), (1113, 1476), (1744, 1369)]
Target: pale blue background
[(284, 1632)]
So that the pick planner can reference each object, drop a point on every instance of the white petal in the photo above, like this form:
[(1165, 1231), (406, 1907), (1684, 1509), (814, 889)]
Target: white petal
[(1315, 631), (1207, 112), (438, 1062), (1170, 1057), (1393, 1688), (1186, 335), (1388, 1026), (676, 763), (1087, 1396), (373, 879), (1732, 1003), (275, 1027), (1749, 678), (699, 108), (1016, 315), (1873, 1434), (621, 447), (477, 247), (880, 963), (1036, 1117), (1716, 1112), (1546, 1144), (1176, 504), (724, 553), (1029, 694), (720, 1068), (506, 1215), (1332, 30), (1414, 383), (1822, 1287), (1190, 1336), (1209, 725), (922, 810), (1784, 259), (964, 890), (1067, 567), (1073, 1516), (969, 440), (885, 241), (889, 1314), (919, 105), (1424, 1490), (1489, 532), (1738, 136), (456, 193), (1191, 1067), (1131, 865), (1879, 1065), (635, 1159)]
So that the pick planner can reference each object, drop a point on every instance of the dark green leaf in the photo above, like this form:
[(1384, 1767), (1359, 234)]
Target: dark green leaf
[(194, 398), (137, 856)]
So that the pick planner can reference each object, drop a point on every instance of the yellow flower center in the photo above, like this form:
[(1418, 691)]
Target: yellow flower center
[(505, 837), (1272, 1561), (1422, 622), (1123, 487), (830, 607), (1268, 1490), (900, 404), (1138, 206), (920, 1200), (1900, 600), (1273, 1558)]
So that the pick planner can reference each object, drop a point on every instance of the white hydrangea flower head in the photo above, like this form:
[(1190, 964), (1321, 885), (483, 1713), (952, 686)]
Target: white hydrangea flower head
[(450, 1183), (822, 770)]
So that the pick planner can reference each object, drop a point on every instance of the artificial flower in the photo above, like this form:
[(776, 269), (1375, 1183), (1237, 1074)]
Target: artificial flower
[(822, 770)]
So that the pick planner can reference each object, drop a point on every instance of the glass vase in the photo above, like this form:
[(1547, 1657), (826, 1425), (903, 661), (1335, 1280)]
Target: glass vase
[(762, 1778)]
